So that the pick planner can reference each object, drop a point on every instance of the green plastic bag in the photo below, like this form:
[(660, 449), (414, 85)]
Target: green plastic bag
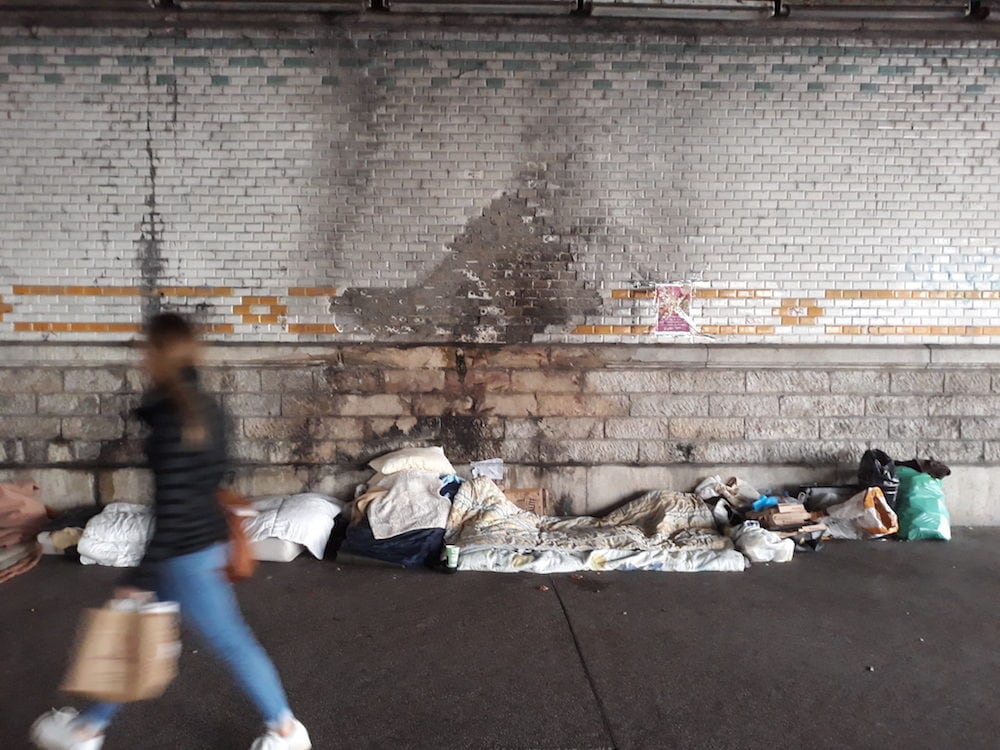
[(921, 508)]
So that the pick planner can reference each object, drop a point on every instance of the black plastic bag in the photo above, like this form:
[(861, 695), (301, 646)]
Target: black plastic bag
[(876, 468)]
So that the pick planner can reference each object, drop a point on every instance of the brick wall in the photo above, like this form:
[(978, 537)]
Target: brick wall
[(592, 423), (517, 185)]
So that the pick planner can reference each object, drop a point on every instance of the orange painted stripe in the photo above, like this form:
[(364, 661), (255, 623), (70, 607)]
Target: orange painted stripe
[(78, 327), (196, 291), (312, 291), (77, 291), (312, 328)]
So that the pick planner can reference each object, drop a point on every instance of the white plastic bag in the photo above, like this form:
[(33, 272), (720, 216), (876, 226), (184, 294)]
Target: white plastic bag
[(761, 545), (867, 515)]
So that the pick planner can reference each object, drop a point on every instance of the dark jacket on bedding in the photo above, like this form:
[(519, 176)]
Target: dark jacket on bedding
[(186, 477)]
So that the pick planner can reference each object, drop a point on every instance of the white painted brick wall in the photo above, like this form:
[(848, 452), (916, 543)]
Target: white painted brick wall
[(804, 169)]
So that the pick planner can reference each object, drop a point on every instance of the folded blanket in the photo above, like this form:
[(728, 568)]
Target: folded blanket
[(412, 501)]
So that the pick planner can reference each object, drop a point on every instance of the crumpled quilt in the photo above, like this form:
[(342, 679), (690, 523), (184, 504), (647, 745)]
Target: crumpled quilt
[(306, 518), (661, 530), (412, 501), (117, 536)]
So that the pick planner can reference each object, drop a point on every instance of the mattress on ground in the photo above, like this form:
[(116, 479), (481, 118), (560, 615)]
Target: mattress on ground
[(661, 530)]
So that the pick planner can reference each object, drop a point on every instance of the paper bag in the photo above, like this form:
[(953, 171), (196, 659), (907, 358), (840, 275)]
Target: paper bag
[(125, 655)]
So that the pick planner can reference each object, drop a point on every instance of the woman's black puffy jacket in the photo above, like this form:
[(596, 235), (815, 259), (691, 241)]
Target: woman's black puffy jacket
[(186, 478)]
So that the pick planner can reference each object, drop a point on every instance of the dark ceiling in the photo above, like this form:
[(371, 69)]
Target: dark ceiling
[(929, 18)]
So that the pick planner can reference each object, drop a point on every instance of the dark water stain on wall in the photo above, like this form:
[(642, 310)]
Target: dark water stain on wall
[(509, 276), (149, 253)]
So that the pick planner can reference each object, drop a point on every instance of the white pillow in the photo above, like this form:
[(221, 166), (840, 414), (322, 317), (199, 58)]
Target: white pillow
[(413, 459)]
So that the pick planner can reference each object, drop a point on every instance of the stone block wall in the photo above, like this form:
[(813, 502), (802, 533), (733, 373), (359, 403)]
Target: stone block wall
[(591, 423)]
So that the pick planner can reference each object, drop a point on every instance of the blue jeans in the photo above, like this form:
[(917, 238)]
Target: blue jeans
[(208, 605)]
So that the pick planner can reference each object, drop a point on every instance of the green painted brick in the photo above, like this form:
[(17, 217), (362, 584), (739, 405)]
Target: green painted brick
[(976, 88), (486, 46), (575, 66), (26, 59), (135, 61), (82, 61), (737, 68), (841, 68), (298, 62), (53, 78), (4, 77), (870, 87), (386, 82), (521, 65), (411, 62), (467, 64), (655, 84), (686, 67), (247, 62), (495, 83), (276, 80), (440, 83), (602, 84), (763, 86), (628, 66), (165, 79), (548, 83), (894, 70), (353, 62), (993, 72), (816, 86), (220, 80), (923, 88), (111, 79), (330, 80), (710, 85), (191, 61), (789, 68)]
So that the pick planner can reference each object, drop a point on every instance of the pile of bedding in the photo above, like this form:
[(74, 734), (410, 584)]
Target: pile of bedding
[(399, 517), (661, 530)]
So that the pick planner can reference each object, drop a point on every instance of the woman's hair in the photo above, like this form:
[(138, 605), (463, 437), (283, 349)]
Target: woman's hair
[(172, 354)]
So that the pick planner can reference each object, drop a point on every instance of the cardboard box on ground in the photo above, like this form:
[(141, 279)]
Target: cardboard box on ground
[(124, 655), (535, 499)]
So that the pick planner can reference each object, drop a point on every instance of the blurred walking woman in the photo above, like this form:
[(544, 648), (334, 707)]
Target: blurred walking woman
[(187, 554)]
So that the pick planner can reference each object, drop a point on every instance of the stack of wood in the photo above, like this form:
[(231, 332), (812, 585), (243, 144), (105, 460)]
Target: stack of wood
[(788, 519)]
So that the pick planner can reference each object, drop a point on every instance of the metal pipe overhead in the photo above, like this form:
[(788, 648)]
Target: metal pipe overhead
[(506, 7), (725, 10)]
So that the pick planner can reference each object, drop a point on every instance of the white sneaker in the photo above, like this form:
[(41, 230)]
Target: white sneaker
[(297, 740), (56, 730)]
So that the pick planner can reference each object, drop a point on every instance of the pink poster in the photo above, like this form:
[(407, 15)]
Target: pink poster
[(673, 309)]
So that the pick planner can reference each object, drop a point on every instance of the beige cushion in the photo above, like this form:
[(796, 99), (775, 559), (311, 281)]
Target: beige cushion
[(413, 459)]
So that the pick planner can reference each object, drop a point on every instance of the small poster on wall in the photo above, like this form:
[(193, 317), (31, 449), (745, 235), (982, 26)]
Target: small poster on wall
[(673, 309)]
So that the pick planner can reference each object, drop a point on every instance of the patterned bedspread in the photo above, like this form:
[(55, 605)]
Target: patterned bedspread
[(659, 531)]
